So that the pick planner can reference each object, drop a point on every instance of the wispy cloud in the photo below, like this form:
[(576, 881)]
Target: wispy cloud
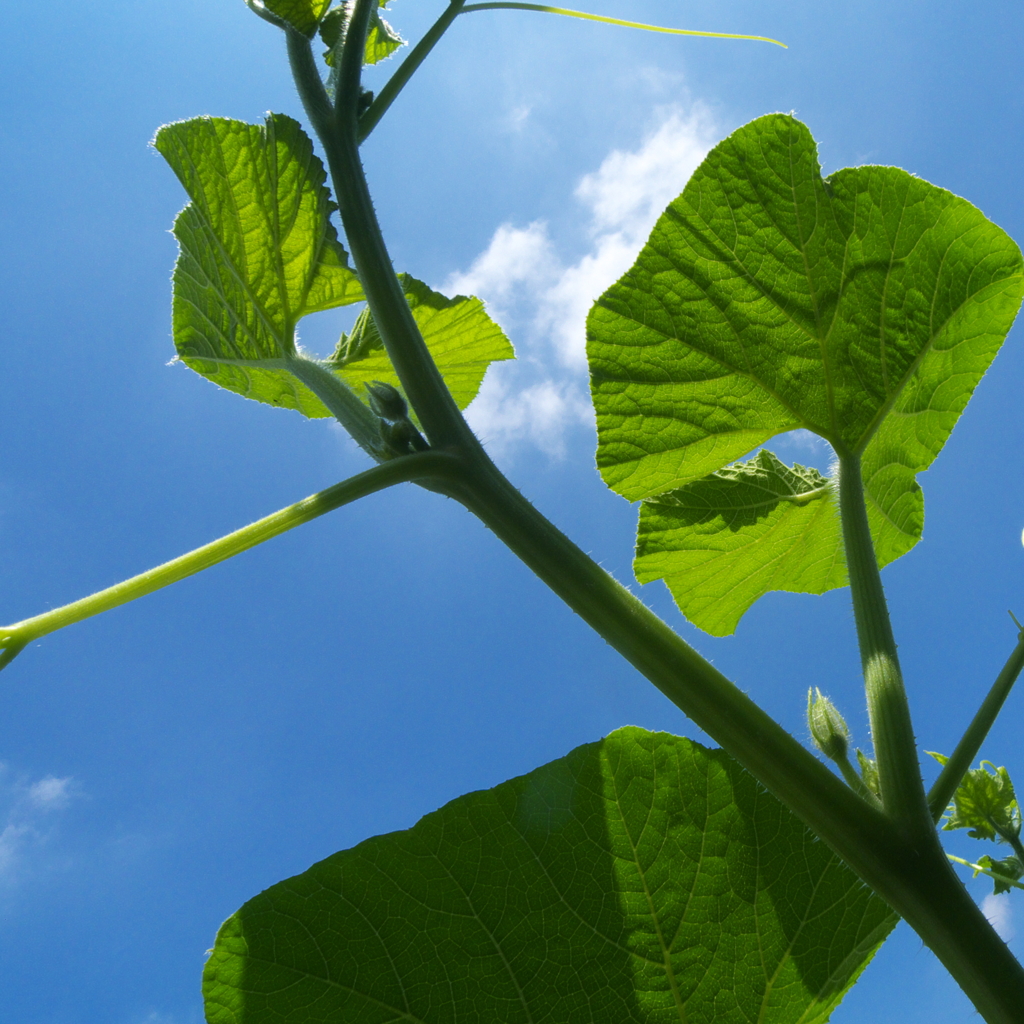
[(539, 399), (27, 810), (999, 911)]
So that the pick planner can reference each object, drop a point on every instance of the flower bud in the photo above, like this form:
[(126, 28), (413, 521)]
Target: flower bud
[(828, 729), (387, 401)]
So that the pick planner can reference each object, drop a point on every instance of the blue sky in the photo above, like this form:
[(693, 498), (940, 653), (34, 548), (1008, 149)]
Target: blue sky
[(163, 763)]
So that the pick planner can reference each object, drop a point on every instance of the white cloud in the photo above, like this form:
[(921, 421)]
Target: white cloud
[(50, 793), (999, 911), (540, 414), (515, 257), (521, 268), (26, 818)]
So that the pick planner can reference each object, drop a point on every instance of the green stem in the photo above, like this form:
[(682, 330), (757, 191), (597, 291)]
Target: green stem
[(261, 12), (423, 384), (899, 773), (428, 467), (979, 870), (544, 9), (914, 877), (854, 780), (967, 749), (397, 82)]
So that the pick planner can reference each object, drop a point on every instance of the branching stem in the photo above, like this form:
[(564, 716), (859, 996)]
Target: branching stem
[(899, 772), (429, 467)]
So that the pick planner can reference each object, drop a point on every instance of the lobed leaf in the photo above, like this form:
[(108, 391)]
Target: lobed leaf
[(864, 307), (460, 335), (303, 15), (985, 803), (721, 542), (258, 252), (643, 878)]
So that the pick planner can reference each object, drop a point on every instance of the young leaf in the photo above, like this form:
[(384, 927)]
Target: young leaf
[(722, 542), (986, 804), (1009, 867), (381, 39), (258, 252), (643, 878), (864, 307), (460, 335), (303, 15)]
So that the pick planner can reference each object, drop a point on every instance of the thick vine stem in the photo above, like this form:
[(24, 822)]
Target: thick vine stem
[(899, 773), (431, 468), (906, 867)]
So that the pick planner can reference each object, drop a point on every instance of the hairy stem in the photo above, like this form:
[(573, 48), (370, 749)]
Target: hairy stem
[(397, 82), (905, 866), (967, 749), (429, 467), (899, 772)]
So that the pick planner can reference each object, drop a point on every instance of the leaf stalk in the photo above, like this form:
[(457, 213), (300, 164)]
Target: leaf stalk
[(429, 467), (899, 772), (967, 749)]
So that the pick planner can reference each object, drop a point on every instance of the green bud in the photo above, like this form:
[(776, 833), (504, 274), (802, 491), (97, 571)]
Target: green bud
[(387, 401), (828, 729), (868, 772)]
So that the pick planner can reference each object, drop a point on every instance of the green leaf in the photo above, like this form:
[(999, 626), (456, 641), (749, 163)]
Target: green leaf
[(986, 804), (460, 335), (381, 39), (303, 15), (721, 542), (258, 252), (1010, 867), (643, 878), (864, 307)]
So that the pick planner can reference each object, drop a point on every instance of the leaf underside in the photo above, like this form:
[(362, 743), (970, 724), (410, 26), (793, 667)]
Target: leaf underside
[(259, 252), (461, 337), (864, 307), (642, 878), (303, 15), (723, 541)]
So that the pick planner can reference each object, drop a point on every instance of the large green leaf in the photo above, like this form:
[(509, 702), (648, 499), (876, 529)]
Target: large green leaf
[(723, 541), (303, 15), (258, 252), (864, 307), (460, 335), (643, 878)]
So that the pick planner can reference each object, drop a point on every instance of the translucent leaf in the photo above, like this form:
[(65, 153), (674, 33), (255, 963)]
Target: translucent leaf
[(258, 252), (643, 878), (460, 335), (986, 804), (864, 307), (303, 15), (722, 542), (381, 39)]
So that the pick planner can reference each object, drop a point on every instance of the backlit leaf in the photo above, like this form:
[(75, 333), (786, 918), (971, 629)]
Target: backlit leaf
[(864, 307), (258, 252), (721, 542), (460, 335), (303, 15), (643, 878)]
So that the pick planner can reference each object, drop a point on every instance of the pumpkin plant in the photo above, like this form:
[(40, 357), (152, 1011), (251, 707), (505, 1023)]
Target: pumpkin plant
[(642, 877)]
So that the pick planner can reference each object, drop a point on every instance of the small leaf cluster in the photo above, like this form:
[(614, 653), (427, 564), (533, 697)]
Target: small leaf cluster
[(986, 804)]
